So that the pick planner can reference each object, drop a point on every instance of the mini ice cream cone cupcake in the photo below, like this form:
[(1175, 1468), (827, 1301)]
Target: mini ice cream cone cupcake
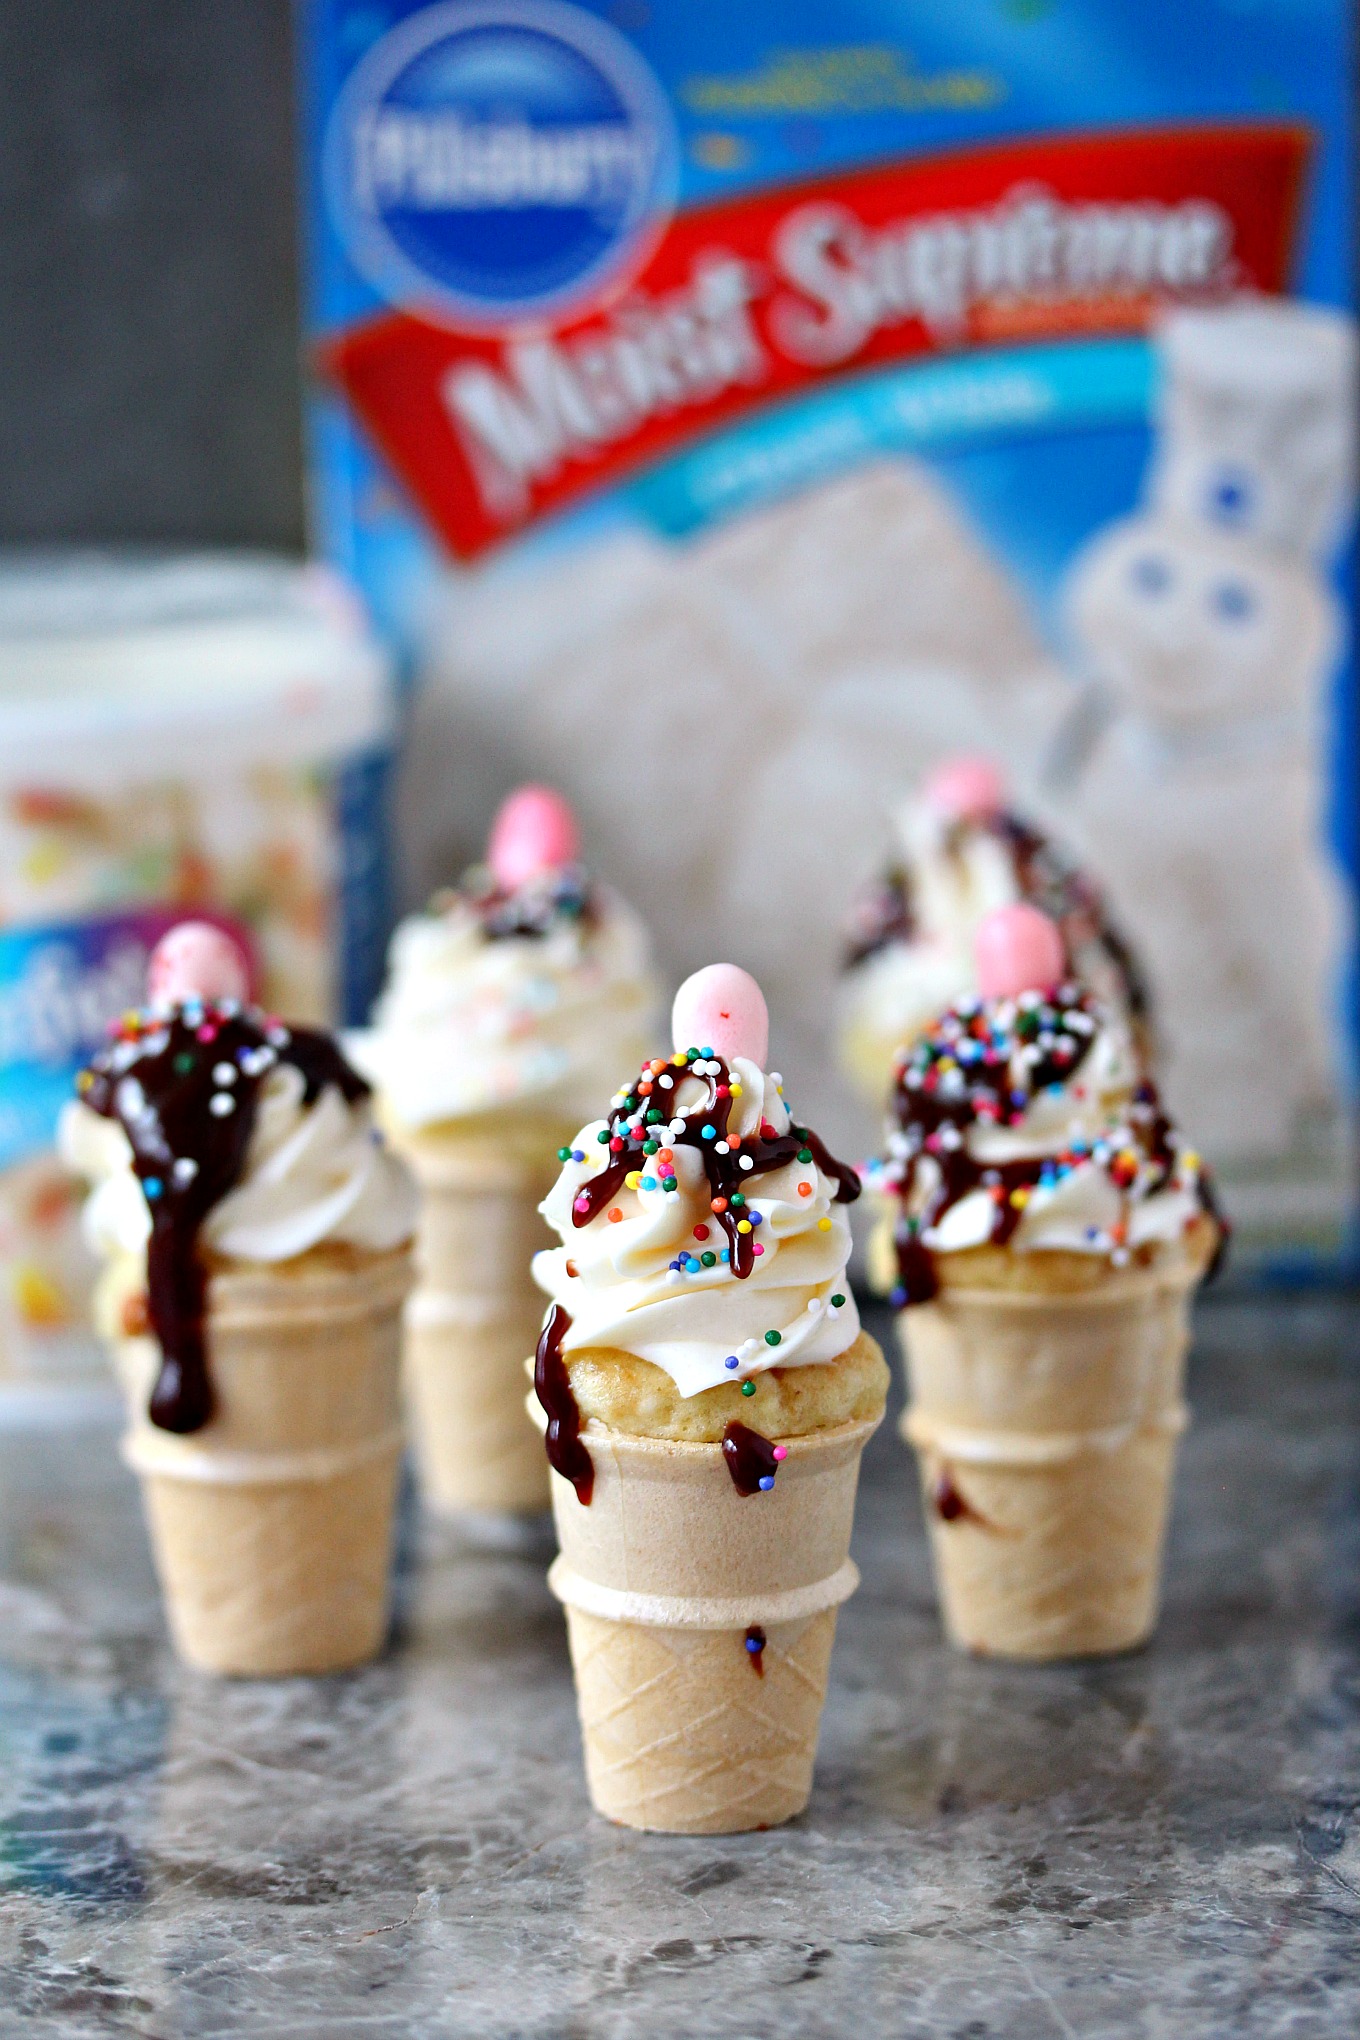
[(963, 853), (511, 1005), (257, 1238), (1050, 1229), (708, 1393)]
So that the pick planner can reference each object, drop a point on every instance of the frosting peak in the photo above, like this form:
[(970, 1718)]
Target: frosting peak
[(501, 998), (225, 1128), (702, 1229), (1025, 1121)]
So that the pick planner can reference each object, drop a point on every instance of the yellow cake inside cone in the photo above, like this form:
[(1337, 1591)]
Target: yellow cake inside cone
[(707, 1392), (1049, 1227)]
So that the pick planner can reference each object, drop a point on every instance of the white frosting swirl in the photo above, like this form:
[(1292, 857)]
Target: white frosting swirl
[(1103, 1184), (957, 872), (313, 1173), (472, 1024), (617, 1277)]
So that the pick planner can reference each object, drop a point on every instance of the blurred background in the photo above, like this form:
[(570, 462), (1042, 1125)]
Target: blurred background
[(1097, 537), (149, 352)]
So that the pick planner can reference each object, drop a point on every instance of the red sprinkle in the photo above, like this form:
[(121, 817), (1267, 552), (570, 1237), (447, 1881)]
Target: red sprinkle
[(701, 1232)]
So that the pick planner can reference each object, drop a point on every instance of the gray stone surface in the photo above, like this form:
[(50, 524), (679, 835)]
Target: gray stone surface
[(1164, 1845)]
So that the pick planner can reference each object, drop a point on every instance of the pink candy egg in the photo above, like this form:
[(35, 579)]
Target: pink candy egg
[(196, 960), (534, 831), (723, 1008), (1018, 949), (965, 789)]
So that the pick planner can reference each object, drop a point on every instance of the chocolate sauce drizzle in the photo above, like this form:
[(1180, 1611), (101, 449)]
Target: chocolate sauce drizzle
[(750, 1458), (952, 1507), (965, 1073), (1044, 876), (552, 1385), (532, 909), (754, 1643), (184, 1086), (634, 1147)]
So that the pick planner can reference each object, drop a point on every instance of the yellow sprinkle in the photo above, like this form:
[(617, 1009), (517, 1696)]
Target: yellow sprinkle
[(679, 1061), (1189, 1159), (743, 1225), (735, 1090), (1019, 1198), (824, 1225), (84, 1081), (633, 1178)]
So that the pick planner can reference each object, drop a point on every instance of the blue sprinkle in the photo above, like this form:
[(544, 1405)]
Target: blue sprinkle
[(153, 1186), (731, 1361), (757, 1217), (897, 1297), (1019, 1098), (578, 1154), (692, 1265), (708, 1132), (707, 1053), (753, 1643), (648, 1183), (726, 1254), (767, 1481)]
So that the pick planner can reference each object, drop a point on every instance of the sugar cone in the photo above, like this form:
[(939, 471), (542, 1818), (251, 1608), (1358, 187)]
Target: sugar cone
[(663, 1575), (272, 1525), (474, 1316), (1046, 1428)]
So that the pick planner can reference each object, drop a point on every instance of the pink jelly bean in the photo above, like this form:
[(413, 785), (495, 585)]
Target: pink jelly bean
[(723, 1008), (1018, 949), (534, 831), (965, 789), (196, 960)]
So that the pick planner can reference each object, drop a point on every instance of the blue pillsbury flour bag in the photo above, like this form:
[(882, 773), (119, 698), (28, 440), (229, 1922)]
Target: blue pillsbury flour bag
[(736, 413)]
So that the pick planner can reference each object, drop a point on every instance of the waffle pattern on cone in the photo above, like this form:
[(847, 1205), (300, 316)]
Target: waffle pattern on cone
[(1046, 1432), (683, 1736)]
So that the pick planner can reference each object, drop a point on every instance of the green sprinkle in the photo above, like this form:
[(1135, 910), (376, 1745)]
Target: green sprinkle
[(691, 1055), (184, 1063), (651, 1147), (771, 1338), (838, 1301), (805, 1154), (709, 1260), (653, 1119), (603, 1138), (748, 1388), (564, 1154), (736, 1198)]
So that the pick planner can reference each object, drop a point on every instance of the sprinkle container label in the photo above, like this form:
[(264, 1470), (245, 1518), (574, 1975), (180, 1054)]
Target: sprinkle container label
[(61, 987)]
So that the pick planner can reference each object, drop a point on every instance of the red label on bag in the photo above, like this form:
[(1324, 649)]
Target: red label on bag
[(759, 298)]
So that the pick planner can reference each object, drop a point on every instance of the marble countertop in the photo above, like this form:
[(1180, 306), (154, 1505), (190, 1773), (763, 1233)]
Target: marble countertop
[(1160, 1845)]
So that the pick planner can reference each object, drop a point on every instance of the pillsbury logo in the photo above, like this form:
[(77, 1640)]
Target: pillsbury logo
[(492, 162)]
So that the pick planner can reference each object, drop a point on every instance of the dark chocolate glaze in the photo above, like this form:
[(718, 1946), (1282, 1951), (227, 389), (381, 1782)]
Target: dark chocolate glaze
[(1045, 876), (728, 1181), (754, 1643), (940, 1095), (951, 1507), (159, 1080), (750, 1458), (552, 1385)]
